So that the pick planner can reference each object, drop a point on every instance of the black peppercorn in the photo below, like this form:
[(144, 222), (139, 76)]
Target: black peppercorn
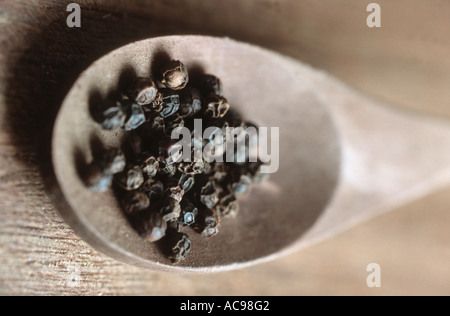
[(114, 118), (136, 117), (192, 168), (96, 179), (175, 75), (155, 125), (174, 122), (144, 91), (210, 222), (165, 168), (211, 84), (228, 206), (169, 208), (154, 227), (135, 201), (130, 179), (219, 171), (191, 102), (209, 195), (187, 182), (189, 213), (181, 248), (170, 104), (154, 190), (150, 166), (156, 105), (113, 161), (174, 189), (170, 151)]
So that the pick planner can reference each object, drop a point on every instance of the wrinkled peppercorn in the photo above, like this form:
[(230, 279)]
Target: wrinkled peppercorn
[(96, 179), (135, 201), (209, 195), (130, 179), (155, 190), (191, 102), (211, 84), (155, 227), (150, 166), (170, 209), (181, 248), (170, 105), (189, 213), (136, 117), (114, 161), (174, 190), (228, 206), (144, 91), (187, 182), (175, 75), (114, 118), (210, 223)]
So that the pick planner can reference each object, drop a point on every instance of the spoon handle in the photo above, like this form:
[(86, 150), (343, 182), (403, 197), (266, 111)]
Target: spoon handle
[(389, 157)]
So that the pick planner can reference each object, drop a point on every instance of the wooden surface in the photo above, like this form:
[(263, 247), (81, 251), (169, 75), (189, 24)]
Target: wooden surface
[(39, 254)]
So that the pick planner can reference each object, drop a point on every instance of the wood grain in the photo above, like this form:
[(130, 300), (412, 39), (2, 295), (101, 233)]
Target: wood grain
[(39, 254)]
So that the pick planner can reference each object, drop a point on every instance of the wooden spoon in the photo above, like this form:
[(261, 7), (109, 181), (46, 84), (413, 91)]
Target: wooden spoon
[(343, 157)]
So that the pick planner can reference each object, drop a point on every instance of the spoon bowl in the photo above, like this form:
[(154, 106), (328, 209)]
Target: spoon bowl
[(265, 88)]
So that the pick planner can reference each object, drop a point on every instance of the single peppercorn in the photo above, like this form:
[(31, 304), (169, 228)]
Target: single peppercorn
[(175, 75), (191, 102), (135, 118), (209, 224), (150, 166), (175, 121), (211, 84), (114, 118), (156, 105), (155, 190), (144, 91), (131, 178), (180, 248), (228, 206), (96, 179), (189, 213), (113, 161), (174, 190), (155, 227), (135, 201), (169, 208), (171, 152), (187, 182), (170, 104), (219, 171), (209, 195)]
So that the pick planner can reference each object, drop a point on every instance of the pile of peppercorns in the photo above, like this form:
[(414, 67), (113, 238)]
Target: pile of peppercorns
[(159, 193)]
